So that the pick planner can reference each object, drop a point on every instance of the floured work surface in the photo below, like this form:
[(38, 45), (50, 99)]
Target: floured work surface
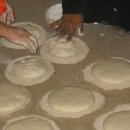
[(102, 44)]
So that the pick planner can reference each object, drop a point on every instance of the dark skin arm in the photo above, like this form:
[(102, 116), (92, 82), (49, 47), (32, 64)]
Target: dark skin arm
[(72, 18), (68, 25)]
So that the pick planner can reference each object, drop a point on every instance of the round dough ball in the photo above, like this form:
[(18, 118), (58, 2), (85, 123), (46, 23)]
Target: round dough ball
[(62, 49), (64, 52), (29, 70), (36, 30), (71, 99), (118, 121), (32, 123), (12, 98), (71, 102), (114, 71), (53, 13)]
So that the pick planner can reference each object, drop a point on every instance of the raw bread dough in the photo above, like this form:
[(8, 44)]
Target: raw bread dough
[(72, 102), (71, 99), (111, 71), (109, 74), (63, 52), (62, 49), (12, 98), (31, 123), (53, 13), (29, 70), (118, 121), (36, 30)]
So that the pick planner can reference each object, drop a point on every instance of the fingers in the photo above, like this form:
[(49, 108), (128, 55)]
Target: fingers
[(10, 14), (30, 45), (27, 40), (71, 33), (3, 18), (80, 30), (27, 46), (31, 40), (10, 17), (34, 40), (69, 37), (66, 30), (7, 17), (67, 25)]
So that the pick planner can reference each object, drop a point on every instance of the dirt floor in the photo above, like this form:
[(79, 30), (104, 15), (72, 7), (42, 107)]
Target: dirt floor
[(101, 47)]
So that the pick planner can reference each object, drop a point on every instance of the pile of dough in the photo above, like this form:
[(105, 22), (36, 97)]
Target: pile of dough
[(53, 13), (36, 30), (29, 70), (31, 122), (71, 102), (62, 52), (12, 99), (109, 74), (117, 119)]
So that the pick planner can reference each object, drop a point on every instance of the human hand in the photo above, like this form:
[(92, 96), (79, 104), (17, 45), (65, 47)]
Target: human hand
[(68, 24), (22, 37), (8, 16)]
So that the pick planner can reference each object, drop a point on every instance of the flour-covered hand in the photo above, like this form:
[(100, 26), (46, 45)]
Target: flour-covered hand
[(22, 37)]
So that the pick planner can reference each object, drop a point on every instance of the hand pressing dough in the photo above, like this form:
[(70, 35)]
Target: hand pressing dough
[(32, 122), (12, 99), (64, 52), (109, 74), (72, 102), (29, 70), (36, 30)]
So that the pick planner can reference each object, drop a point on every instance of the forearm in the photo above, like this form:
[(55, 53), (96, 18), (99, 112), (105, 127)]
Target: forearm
[(73, 6)]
